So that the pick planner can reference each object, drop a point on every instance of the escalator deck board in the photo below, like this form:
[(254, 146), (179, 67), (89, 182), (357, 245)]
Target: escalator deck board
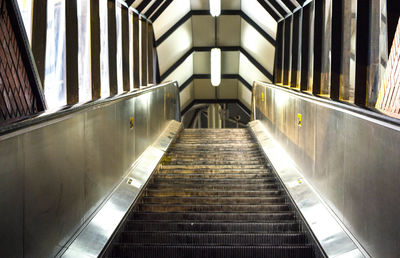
[(214, 195)]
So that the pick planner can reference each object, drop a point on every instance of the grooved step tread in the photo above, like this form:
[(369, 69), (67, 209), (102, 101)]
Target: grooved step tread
[(214, 195)]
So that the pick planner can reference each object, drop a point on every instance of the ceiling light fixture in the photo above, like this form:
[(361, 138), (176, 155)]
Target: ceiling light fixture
[(215, 7), (215, 67)]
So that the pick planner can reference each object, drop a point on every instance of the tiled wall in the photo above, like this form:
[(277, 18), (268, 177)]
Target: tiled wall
[(17, 99)]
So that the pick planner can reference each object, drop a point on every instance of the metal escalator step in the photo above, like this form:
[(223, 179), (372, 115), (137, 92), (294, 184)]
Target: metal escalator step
[(200, 226), (211, 181), (194, 251), (189, 186), (213, 175), (213, 200), (216, 193), (227, 238), (212, 208), (209, 216)]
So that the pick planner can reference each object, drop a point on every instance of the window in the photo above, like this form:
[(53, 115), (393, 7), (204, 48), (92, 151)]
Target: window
[(85, 93), (55, 73), (25, 7)]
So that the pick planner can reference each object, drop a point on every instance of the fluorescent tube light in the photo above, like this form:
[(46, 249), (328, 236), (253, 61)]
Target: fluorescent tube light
[(215, 7), (215, 66)]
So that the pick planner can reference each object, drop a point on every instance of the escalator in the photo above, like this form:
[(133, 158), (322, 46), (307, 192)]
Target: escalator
[(213, 196)]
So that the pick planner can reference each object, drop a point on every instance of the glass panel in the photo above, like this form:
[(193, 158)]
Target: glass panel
[(85, 93), (105, 80), (54, 83), (348, 67), (326, 49), (25, 7), (119, 46)]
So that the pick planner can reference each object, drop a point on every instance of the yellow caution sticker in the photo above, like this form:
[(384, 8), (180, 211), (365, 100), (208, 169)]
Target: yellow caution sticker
[(299, 120), (131, 122)]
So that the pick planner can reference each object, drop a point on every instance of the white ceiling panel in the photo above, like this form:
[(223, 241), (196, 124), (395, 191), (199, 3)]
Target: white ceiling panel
[(229, 30), (183, 72), (244, 95), (249, 72), (257, 46), (230, 62), (228, 89), (203, 89), (174, 12), (203, 30), (175, 46), (201, 62), (259, 15), (199, 4), (230, 4), (186, 95)]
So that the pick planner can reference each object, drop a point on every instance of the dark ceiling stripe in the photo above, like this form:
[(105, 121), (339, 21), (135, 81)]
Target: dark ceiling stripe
[(301, 2), (240, 49), (176, 64), (142, 5), (269, 10), (129, 2), (191, 13), (257, 64), (152, 8), (258, 29), (160, 10), (216, 101), (208, 76), (289, 5), (173, 28), (278, 7)]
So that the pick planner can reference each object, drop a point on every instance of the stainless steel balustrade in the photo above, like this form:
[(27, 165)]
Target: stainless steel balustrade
[(55, 170), (349, 155)]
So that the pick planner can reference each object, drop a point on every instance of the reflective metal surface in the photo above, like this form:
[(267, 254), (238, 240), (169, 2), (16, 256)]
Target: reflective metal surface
[(91, 241), (329, 233), (351, 158), (57, 169)]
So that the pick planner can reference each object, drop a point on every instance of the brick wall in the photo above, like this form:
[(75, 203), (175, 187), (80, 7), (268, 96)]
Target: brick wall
[(17, 97), (389, 93)]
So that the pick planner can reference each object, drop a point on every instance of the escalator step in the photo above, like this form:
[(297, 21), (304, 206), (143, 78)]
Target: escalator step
[(212, 208), (213, 200), (270, 227), (195, 216), (228, 238)]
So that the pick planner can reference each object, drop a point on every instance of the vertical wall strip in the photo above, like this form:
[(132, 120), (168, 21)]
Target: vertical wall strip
[(71, 23), (318, 22), (362, 51), (136, 56), (150, 44), (39, 32), (337, 42), (294, 82), (279, 54), (305, 48), (126, 84), (95, 48), (287, 51), (112, 46), (144, 54)]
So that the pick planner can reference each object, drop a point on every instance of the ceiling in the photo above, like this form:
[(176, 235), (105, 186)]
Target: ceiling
[(185, 33)]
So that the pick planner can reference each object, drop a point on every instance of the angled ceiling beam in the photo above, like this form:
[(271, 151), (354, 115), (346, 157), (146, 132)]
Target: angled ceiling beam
[(252, 60), (278, 7), (208, 76), (269, 10), (152, 8), (160, 10), (129, 2), (142, 5), (289, 5), (163, 37)]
